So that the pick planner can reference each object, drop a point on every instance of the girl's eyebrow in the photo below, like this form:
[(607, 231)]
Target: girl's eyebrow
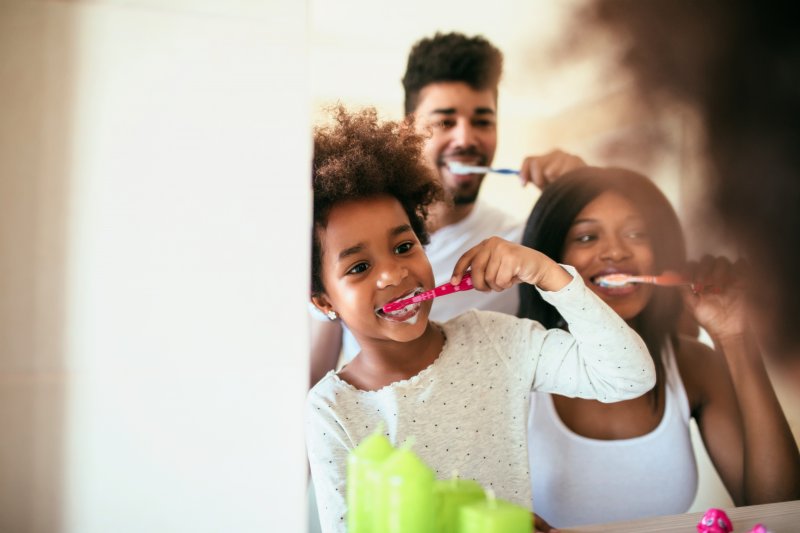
[(347, 252), (402, 228), (352, 250)]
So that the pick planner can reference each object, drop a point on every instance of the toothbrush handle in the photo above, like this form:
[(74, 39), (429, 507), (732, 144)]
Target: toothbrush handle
[(449, 288), (441, 290), (504, 171), (668, 280)]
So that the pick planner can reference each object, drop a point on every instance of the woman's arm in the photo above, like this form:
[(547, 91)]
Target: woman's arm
[(738, 414)]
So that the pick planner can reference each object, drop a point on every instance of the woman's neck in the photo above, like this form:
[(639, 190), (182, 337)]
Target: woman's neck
[(382, 363)]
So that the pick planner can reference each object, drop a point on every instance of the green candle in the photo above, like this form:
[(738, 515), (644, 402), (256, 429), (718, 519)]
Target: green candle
[(407, 500), (362, 480), (494, 516), (452, 495)]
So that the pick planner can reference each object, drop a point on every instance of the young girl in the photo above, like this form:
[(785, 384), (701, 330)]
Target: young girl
[(460, 388), (592, 462)]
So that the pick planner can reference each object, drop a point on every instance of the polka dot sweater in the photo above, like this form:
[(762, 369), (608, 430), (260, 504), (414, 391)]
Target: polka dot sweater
[(468, 410)]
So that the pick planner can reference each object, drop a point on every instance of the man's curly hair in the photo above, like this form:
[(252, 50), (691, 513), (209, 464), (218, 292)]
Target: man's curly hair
[(361, 157), (451, 57)]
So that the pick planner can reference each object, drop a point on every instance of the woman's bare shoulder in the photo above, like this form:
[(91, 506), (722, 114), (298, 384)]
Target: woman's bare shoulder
[(700, 366)]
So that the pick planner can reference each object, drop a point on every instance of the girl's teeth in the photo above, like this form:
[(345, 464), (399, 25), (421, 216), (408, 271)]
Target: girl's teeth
[(404, 311)]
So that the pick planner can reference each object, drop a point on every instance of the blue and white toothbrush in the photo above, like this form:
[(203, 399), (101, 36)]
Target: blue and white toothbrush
[(457, 167)]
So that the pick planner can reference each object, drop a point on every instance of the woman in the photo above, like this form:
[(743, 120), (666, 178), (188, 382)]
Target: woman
[(593, 462)]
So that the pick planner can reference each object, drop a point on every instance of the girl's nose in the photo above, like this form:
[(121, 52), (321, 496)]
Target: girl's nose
[(391, 275)]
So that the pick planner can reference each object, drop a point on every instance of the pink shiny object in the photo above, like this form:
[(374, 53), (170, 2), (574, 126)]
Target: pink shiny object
[(441, 290), (759, 528), (715, 521)]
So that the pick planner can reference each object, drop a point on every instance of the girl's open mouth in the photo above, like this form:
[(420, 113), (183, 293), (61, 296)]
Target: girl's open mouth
[(407, 313)]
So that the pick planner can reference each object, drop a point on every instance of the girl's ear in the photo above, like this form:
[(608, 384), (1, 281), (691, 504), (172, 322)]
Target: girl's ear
[(322, 303)]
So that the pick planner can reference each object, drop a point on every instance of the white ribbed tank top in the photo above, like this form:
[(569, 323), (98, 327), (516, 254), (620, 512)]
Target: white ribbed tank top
[(577, 480)]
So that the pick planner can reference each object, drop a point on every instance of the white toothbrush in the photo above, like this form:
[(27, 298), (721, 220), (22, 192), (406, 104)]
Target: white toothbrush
[(664, 280), (457, 167)]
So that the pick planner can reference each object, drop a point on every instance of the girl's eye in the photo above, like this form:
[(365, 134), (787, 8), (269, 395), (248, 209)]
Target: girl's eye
[(358, 268), (404, 247), (584, 238)]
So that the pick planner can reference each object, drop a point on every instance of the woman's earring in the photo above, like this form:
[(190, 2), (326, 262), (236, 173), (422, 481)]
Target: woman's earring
[(332, 314)]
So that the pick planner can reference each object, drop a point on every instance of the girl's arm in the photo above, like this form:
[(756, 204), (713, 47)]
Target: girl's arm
[(599, 358), (738, 414)]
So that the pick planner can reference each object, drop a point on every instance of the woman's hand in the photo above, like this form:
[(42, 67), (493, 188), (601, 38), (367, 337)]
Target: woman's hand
[(716, 299), (740, 419), (497, 264)]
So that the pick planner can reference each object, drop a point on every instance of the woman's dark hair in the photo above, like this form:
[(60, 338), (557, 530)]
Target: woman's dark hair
[(550, 222), (361, 157)]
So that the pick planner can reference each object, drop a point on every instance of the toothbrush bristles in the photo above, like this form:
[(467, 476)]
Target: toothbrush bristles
[(457, 167), (614, 280), (620, 280)]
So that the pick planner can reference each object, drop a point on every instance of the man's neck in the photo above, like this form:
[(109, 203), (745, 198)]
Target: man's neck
[(442, 214)]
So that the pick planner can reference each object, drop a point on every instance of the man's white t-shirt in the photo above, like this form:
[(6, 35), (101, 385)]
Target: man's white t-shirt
[(447, 245)]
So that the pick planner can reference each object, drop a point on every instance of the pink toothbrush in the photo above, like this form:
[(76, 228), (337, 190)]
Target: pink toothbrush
[(441, 290), (664, 280)]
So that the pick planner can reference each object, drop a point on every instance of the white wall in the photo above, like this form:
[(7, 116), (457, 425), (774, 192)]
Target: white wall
[(154, 215)]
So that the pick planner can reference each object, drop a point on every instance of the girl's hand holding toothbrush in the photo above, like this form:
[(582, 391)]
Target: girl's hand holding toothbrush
[(496, 264)]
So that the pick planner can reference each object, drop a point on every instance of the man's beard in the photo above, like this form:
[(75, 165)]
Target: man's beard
[(464, 198), (465, 195)]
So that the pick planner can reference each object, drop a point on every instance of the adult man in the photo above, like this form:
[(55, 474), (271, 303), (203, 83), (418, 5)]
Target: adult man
[(451, 92)]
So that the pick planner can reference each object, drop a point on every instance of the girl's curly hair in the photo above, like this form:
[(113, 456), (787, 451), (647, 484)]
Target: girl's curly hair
[(361, 157)]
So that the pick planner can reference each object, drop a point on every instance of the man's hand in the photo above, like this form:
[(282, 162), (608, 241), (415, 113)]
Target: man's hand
[(542, 170)]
